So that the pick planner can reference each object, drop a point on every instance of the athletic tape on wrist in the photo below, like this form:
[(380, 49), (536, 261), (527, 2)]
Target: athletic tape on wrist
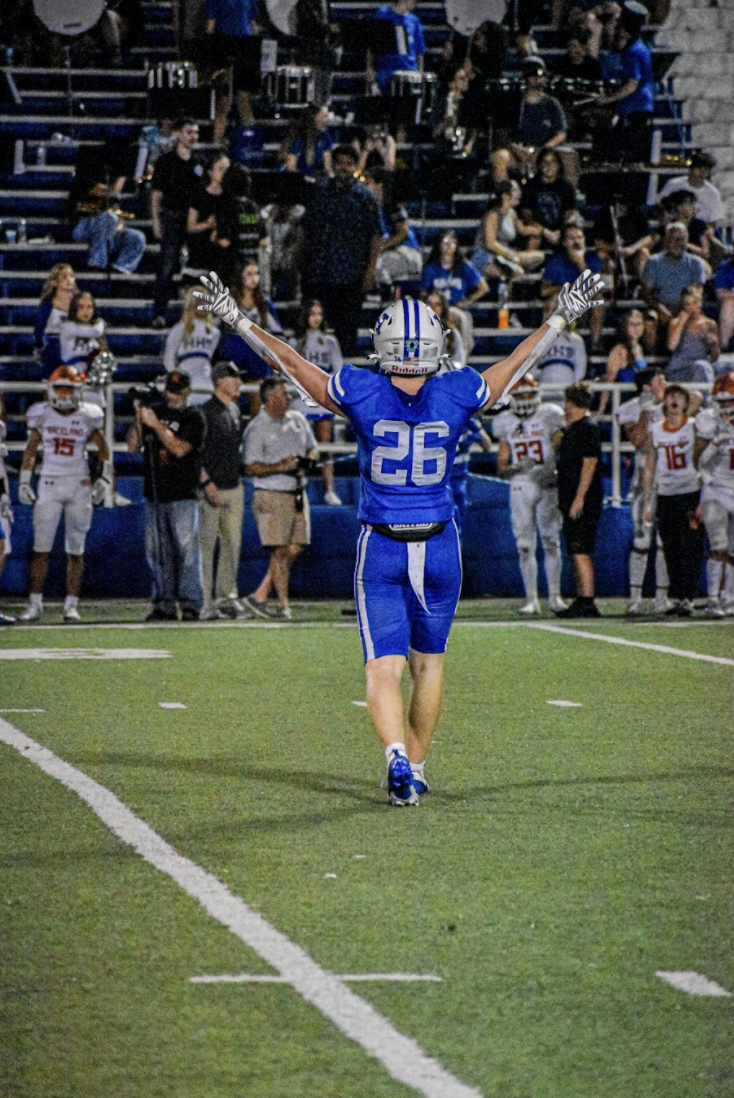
[(243, 325), (556, 321)]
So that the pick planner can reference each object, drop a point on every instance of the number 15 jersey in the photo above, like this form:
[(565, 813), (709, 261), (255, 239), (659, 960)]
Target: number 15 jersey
[(65, 437), (407, 442)]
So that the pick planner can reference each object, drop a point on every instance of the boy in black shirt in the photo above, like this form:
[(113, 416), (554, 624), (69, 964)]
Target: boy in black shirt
[(175, 178)]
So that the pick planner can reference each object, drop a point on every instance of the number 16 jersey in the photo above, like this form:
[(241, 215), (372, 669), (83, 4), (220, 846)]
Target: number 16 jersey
[(407, 442)]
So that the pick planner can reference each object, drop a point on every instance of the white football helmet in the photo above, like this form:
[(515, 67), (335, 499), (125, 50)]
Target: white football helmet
[(65, 388), (525, 397), (723, 394), (409, 339)]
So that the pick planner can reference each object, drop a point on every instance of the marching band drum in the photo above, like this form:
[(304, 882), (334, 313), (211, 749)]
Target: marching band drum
[(421, 87), (290, 85)]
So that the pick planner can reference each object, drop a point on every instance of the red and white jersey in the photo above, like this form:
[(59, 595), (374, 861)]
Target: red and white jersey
[(676, 473), (632, 411), (65, 437), (531, 437), (717, 460)]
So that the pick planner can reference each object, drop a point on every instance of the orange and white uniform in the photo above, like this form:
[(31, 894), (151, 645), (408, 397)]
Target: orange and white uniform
[(676, 475), (717, 467), (533, 495)]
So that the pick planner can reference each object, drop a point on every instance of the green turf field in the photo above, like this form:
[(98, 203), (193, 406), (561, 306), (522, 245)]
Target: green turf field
[(564, 857)]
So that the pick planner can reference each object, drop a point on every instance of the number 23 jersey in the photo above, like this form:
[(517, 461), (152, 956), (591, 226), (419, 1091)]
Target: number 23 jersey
[(65, 437), (407, 442)]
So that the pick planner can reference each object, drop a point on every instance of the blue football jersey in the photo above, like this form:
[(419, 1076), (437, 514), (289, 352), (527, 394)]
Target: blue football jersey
[(407, 443)]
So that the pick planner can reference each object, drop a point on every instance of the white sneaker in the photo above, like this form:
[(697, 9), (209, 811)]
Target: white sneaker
[(663, 605), (728, 608), (634, 606), (32, 612), (121, 501), (71, 615), (714, 609), (209, 613), (532, 606), (332, 499), (557, 604)]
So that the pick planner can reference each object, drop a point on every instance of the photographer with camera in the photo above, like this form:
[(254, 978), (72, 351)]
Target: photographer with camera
[(171, 436), (280, 449)]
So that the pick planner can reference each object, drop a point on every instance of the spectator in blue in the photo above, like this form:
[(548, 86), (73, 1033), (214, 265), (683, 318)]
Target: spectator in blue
[(53, 309), (724, 289), (236, 49), (449, 273), (473, 434), (340, 239), (670, 272), (635, 100), (308, 143), (565, 265), (410, 50), (256, 307)]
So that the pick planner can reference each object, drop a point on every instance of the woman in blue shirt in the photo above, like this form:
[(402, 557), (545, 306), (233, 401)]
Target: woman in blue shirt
[(450, 274), (308, 144)]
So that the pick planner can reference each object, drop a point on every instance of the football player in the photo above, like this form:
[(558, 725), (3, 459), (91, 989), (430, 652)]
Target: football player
[(716, 427), (636, 416), (526, 457), (6, 511), (64, 426), (408, 419)]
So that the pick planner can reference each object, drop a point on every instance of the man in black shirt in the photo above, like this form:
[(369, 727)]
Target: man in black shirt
[(171, 436), (175, 178), (223, 505), (580, 494)]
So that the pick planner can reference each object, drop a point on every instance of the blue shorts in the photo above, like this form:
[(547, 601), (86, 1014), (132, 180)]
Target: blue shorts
[(406, 592)]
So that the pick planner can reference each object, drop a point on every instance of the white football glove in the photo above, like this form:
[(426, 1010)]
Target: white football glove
[(524, 466), (26, 494), (6, 511), (101, 484), (219, 301), (586, 293)]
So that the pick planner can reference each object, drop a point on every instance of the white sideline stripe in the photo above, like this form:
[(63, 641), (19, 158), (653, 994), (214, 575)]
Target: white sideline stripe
[(362, 705), (401, 1056), (565, 704), (83, 654), (171, 705), (694, 984), (22, 710), (630, 644), (245, 978)]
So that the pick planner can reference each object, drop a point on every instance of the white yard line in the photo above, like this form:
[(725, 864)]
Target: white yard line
[(389, 977), (664, 648), (401, 1056), (694, 984), (83, 654)]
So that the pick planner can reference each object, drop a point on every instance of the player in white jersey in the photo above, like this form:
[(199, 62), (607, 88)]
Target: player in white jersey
[(715, 427), (64, 427), (6, 511), (672, 453), (320, 347), (635, 417), (190, 347), (526, 457)]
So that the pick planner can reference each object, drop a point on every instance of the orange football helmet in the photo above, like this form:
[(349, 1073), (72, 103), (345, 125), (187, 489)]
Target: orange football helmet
[(723, 395), (525, 397), (65, 388)]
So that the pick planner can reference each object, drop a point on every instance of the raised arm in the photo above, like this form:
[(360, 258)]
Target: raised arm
[(573, 302), (217, 299)]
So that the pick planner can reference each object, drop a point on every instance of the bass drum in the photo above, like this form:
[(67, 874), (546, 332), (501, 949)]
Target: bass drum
[(290, 85), (69, 17)]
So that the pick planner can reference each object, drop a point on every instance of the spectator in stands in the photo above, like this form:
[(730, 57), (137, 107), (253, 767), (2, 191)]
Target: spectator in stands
[(451, 320), (578, 75), (709, 206), (623, 239), (542, 123), (670, 272), (223, 502), (629, 141), (211, 224), (253, 303), (83, 335), (401, 14), (548, 199), (712, 363), (626, 357), (250, 232), (190, 347), (316, 43), (175, 180), (316, 344), (95, 198), (724, 289), (565, 265), (236, 47), (281, 247), (449, 273), (688, 336), (496, 252), (308, 142), (276, 442), (6, 510), (681, 206), (53, 309), (377, 149), (400, 258), (580, 494), (678, 495), (577, 63), (564, 363), (171, 436), (340, 243)]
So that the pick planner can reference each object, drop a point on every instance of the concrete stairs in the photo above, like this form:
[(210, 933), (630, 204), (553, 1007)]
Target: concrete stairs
[(702, 31)]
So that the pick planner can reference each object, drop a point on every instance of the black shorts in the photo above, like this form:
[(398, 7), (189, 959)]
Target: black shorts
[(243, 55), (580, 533)]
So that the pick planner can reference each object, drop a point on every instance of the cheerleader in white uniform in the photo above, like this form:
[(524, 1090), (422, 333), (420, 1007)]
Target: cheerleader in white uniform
[(190, 346)]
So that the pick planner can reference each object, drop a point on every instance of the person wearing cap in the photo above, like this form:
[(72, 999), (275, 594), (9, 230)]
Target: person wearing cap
[(542, 123), (223, 500), (629, 141), (171, 436)]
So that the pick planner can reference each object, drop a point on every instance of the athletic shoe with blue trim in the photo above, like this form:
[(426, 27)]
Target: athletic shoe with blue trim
[(400, 788)]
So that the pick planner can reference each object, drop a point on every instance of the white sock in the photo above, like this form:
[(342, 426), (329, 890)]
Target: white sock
[(71, 602), (638, 567), (714, 577), (661, 574), (35, 600), (399, 747), (529, 570), (553, 570)]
